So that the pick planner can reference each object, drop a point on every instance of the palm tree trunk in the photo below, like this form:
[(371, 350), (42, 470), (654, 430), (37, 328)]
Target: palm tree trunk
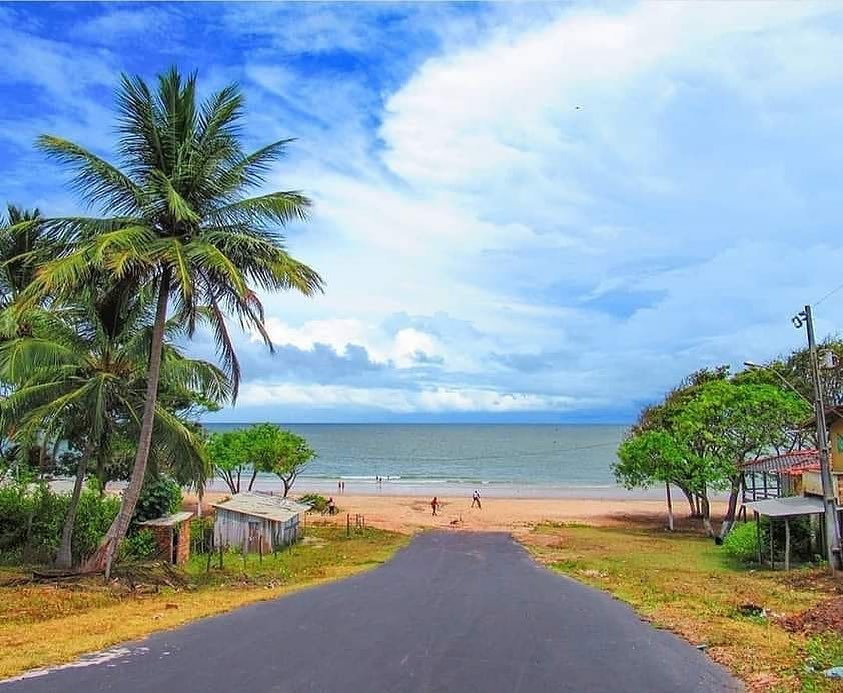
[(64, 557), (104, 555)]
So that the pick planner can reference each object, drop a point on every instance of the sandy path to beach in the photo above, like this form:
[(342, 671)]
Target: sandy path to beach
[(412, 513)]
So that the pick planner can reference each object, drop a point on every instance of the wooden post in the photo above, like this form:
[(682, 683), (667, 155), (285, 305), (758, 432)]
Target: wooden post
[(260, 549), (348, 524), (669, 506), (758, 537), (772, 555), (220, 556), (208, 566), (787, 543)]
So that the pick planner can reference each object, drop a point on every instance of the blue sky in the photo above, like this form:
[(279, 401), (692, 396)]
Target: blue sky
[(523, 212)]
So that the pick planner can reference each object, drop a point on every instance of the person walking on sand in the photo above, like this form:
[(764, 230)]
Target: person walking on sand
[(434, 504), (475, 500)]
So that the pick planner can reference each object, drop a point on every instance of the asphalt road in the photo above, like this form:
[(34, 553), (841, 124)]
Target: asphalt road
[(454, 612)]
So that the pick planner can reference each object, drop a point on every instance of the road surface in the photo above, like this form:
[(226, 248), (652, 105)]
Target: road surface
[(454, 612)]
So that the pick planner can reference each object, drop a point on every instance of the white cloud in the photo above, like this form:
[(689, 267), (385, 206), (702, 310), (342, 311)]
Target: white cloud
[(393, 400)]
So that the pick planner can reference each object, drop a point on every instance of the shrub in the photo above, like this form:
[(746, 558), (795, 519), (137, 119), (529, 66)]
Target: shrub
[(159, 496), (140, 546), (31, 521), (315, 501), (742, 542), (93, 518)]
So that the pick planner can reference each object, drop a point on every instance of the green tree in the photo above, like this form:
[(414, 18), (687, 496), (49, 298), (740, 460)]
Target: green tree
[(84, 381), (177, 219), (229, 456), (727, 423), (698, 437), (279, 452), (261, 448)]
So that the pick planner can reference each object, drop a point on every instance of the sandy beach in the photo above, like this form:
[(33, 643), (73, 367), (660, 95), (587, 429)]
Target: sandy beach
[(413, 513)]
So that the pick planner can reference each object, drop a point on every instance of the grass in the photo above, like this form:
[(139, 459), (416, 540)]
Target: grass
[(683, 582), (48, 624)]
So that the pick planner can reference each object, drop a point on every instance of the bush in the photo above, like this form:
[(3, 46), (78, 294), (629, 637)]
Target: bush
[(31, 521), (140, 546), (159, 496), (742, 542), (315, 501)]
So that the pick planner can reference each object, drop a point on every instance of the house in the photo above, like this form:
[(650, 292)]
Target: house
[(778, 475), (172, 535), (256, 522)]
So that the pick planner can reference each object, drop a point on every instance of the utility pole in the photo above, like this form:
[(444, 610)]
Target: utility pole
[(832, 528)]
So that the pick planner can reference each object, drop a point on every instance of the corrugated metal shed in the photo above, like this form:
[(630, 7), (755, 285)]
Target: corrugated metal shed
[(257, 522), (264, 506)]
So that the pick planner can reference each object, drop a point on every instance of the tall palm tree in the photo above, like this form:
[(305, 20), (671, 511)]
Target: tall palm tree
[(84, 381), (177, 217)]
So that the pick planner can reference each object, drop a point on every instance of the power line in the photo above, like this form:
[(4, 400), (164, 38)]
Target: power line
[(829, 294)]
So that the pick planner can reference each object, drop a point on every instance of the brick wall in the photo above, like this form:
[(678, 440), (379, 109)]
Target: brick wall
[(183, 548), (162, 538)]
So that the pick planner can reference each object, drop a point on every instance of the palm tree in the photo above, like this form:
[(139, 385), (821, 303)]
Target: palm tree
[(177, 217), (24, 244), (84, 381)]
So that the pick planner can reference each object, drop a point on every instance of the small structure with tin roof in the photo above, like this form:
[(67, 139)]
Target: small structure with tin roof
[(172, 534), (257, 522)]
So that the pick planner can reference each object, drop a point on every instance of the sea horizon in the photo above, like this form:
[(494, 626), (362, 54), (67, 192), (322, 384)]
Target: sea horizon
[(509, 459)]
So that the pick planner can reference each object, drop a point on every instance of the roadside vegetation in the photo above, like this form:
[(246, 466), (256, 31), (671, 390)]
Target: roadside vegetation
[(94, 309), (683, 582), (46, 623)]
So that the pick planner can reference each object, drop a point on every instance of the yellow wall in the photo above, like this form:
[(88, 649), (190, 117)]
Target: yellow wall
[(835, 434)]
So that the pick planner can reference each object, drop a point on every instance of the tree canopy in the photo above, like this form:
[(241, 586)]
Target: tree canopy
[(260, 448), (703, 430)]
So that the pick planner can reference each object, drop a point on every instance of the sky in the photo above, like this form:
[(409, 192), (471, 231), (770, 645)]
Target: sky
[(523, 212)]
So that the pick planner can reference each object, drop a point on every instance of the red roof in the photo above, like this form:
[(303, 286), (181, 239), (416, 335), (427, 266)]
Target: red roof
[(794, 462)]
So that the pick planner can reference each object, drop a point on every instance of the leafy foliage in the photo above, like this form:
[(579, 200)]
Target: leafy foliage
[(31, 521), (177, 222), (261, 448), (159, 496), (317, 502), (139, 546), (702, 431), (742, 542)]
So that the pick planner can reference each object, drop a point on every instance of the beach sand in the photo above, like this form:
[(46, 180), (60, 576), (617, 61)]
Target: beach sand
[(413, 513)]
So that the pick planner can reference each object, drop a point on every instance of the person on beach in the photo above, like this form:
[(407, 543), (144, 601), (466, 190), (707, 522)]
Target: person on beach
[(434, 504), (339, 486), (332, 508), (475, 500)]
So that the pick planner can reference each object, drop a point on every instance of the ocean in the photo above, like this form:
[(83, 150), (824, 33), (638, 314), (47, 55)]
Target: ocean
[(417, 459)]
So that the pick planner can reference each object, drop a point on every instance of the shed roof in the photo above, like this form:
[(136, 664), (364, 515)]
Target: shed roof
[(261, 505), (788, 507), (794, 462), (168, 520)]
